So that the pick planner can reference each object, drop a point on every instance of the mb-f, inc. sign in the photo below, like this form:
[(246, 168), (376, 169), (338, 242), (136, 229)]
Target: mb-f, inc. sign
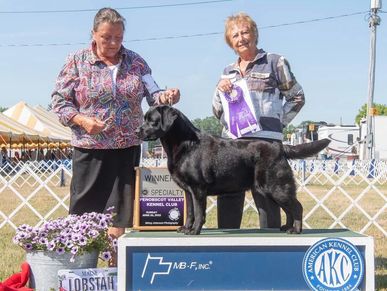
[(159, 202)]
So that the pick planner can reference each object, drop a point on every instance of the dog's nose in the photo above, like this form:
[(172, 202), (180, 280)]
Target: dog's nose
[(137, 132)]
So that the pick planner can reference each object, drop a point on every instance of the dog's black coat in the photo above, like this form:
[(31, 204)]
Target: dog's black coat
[(202, 165)]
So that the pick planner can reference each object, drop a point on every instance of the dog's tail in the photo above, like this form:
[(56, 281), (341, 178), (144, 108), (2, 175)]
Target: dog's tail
[(305, 150)]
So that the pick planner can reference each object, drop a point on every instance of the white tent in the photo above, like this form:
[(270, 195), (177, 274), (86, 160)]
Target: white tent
[(40, 120), (12, 131)]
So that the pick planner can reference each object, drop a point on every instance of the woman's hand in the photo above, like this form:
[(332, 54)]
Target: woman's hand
[(92, 125), (225, 86), (170, 96)]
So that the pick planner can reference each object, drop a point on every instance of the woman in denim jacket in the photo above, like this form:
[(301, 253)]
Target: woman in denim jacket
[(274, 99)]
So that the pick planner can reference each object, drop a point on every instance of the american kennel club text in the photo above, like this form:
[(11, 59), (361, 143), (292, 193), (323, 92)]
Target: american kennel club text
[(333, 264)]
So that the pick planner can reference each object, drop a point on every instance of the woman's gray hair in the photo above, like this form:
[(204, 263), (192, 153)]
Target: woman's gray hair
[(108, 15)]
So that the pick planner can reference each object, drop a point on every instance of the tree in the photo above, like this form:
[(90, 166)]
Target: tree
[(289, 129), (381, 109), (153, 143), (2, 109), (210, 125)]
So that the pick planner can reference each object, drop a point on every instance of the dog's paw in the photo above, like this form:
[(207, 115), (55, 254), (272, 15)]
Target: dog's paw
[(181, 229), (286, 227), (193, 232), (296, 229), (293, 230), (184, 229)]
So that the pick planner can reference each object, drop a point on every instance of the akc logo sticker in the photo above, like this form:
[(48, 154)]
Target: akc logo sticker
[(333, 265), (174, 214)]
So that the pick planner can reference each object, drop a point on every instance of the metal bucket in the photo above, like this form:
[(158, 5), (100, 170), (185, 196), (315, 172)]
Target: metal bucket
[(45, 266)]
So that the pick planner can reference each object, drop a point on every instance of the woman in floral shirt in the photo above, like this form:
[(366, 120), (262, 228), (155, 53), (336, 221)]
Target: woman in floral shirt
[(98, 94)]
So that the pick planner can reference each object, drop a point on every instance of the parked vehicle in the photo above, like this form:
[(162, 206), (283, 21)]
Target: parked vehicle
[(380, 137), (344, 140)]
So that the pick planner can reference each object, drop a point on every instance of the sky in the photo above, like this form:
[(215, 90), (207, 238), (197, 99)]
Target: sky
[(327, 43)]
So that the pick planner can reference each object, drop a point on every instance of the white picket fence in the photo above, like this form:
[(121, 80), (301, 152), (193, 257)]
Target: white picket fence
[(335, 194)]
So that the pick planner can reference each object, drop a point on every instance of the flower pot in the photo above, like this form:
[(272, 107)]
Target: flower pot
[(46, 264)]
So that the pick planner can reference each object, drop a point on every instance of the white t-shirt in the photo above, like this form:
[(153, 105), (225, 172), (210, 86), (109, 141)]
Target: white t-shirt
[(113, 72)]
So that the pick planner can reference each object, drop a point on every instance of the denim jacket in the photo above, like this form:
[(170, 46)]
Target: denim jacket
[(276, 95)]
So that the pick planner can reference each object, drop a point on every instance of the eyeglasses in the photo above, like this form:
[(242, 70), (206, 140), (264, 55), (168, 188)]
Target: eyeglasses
[(111, 39)]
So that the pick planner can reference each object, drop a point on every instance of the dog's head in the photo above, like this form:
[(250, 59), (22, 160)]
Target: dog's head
[(157, 122)]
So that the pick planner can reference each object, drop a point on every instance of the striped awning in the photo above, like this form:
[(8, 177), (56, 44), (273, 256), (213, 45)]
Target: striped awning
[(40, 120), (12, 131)]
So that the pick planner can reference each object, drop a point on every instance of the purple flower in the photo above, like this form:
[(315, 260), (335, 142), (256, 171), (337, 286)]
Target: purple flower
[(73, 234), (108, 216), (69, 244), (82, 241), (84, 226), (93, 233), (51, 246), (103, 224), (23, 227), (74, 250), (76, 228), (23, 234), (106, 256), (75, 237), (60, 251), (63, 239), (43, 241), (28, 246), (15, 240), (43, 234)]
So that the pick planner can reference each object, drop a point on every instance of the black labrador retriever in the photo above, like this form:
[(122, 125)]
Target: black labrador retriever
[(202, 165)]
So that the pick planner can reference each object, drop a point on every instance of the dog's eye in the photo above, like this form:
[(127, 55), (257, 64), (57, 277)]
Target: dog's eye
[(154, 123)]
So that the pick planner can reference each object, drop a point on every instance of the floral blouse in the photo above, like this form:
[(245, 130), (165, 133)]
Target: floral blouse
[(85, 86)]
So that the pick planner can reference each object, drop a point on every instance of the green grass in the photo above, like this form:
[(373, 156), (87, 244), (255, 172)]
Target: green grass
[(12, 255)]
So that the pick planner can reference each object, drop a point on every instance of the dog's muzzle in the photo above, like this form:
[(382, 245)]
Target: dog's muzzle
[(138, 132)]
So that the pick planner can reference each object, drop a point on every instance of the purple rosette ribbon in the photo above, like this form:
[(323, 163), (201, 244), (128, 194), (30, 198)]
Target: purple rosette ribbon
[(241, 118)]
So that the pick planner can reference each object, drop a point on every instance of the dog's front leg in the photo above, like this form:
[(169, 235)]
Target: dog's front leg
[(186, 228), (200, 205)]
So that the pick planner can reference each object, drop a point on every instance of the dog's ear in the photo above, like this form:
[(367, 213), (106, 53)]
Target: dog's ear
[(168, 117)]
